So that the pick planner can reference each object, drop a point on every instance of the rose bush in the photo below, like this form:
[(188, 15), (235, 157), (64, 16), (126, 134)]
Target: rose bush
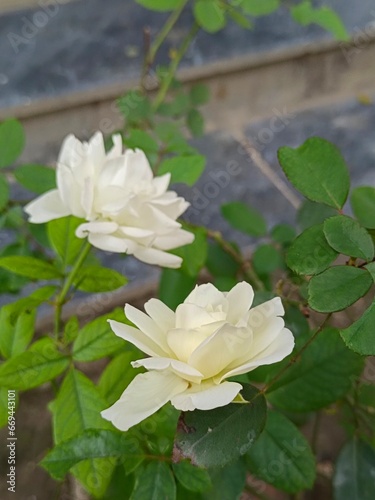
[(212, 336), (125, 207)]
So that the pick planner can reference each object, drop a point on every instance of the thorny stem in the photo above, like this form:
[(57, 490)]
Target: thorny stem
[(245, 264), (66, 286), (164, 32), (294, 358), (173, 67)]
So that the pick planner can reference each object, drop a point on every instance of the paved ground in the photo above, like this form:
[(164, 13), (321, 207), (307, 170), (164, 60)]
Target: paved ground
[(81, 45)]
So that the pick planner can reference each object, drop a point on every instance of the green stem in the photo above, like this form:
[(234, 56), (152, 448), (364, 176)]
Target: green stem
[(164, 32), (294, 358), (246, 266), (67, 284), (160, 97)]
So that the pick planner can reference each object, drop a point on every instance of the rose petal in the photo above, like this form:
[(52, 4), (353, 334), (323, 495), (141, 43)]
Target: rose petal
[(181, 369), (157, 257), (148, 326), (110, 243), (239, 300), (277, 351), (206, 396), (137, 338), (176, 239), (96, 227), (207, 294), (184, 342), (117, 147), (144, 396), (220, 350), (160, 313), (46, 207)]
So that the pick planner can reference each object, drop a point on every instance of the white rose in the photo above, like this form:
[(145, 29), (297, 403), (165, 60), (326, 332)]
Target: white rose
[(127, 209), (212, 336)]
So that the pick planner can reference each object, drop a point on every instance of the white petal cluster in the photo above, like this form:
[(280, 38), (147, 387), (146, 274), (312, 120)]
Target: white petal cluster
[(126, 208), (212, 336)]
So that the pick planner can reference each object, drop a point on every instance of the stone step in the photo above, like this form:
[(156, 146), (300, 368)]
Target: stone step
[(64, 76)]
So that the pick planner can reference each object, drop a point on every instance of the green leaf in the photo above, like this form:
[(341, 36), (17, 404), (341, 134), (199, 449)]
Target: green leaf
[(76, 409), (296, 322), (266, 259), (258, 8), (96, 339), (14, 217), (34, 367), (155, 481), (30, 267), (71, 330), (191, 477), (61, 233), (346, 236), (318, 170), (118, 374), (240, 19), (92, 443), (311, 213), (338, 288), (224, 283), (371, 269), (322, 375), (184, 169), (194, 255), (310, 253), (195, 122), (39, 232), (4, 192), (12, 141), (295, 468), (227, 482), (175, 286), (7, 409), (141, 140), (244, 218), (215, 437), (220, 263), (134, 106), (304, 13), (359, 336), (176, 107), (210, 15), (17, 330), (160, 5), (10, 282), (121, 485), (283, 233), (36, 178), (355, 472), (199, 94), (96, 279), (363, 204)]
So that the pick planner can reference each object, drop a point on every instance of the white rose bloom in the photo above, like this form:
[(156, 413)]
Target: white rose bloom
[(212, 336), (127, 209)]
